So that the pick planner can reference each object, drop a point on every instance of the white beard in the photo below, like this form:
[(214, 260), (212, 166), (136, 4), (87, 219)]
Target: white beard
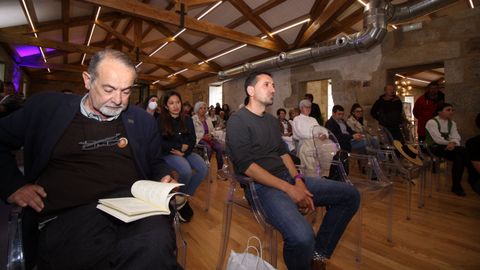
[(110, 111)]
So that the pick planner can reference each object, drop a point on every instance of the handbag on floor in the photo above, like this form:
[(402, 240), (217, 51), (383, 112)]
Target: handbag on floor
[(248, 261)]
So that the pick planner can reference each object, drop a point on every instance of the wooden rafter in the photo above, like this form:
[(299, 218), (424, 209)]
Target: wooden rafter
[(315, 12), (65, 29), (114, 32), (257, 11), (148, 12), (320, 22), (344, 25), (241, 6), (71, 47)]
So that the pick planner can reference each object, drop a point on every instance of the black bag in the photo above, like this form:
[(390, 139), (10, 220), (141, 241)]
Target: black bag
[(342, 157)]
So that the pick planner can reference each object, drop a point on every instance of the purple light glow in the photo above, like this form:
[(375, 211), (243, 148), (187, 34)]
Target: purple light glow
[(24, 50)]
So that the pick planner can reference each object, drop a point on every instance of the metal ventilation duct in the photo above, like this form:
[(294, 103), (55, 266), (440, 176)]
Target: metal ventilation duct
[(374, 30)]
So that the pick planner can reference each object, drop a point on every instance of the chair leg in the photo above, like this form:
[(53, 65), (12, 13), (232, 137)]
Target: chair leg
[(227, 218), (181, 243), (390, 215), (409, 198), (209, 190), (359, 219)]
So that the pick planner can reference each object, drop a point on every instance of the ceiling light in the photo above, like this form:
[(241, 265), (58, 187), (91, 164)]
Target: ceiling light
[(158, 49), (179, 33), (176, 73), (209, 10), (34, 32), (394, 26), (155, 82), (361, 2), (227, 52), (91, 32), (471, 3), (410, 78), (290, 26), (139, 64)]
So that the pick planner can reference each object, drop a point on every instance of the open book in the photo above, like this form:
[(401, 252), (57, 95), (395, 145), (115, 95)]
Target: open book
[(150, 198)]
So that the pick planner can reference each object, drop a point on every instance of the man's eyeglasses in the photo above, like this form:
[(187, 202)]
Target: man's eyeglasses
[(95, 144)]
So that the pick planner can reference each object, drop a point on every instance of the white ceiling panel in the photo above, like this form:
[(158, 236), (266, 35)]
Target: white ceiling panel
[(11, 13), (223, 14), (240, 55)]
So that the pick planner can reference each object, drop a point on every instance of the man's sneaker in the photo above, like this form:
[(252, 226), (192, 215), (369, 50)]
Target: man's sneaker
[(185, 213)]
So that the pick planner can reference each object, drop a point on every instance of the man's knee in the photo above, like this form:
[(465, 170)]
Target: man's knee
[(302, 239)]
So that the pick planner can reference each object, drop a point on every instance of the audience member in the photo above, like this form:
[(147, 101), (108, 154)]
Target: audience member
[(226, 109), (258, 151), (426, 106), (388, 111), (10, 101), (285, 129), (218, 108), (204, 133), (222, 121), (444, 141), (150, 104), (315, 112), (212, 116), (178, 141), (356, 121), (187, 109), (77, 151), (348, 139), (473, 154)]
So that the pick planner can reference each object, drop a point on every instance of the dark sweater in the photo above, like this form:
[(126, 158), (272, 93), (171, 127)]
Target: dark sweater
[(176, 140), (343, 139), (91, 174), (389, 113), (255, 139)]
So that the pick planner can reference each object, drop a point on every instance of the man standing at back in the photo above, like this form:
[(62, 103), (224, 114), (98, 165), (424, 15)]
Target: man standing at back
[(388, 111), (426, 106), (257, 150), (315, 113), (78, 150)]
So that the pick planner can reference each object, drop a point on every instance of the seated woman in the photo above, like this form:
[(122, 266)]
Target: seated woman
[(356, 121), (285, 129), (204, 132), (151, 105), (178, 140)]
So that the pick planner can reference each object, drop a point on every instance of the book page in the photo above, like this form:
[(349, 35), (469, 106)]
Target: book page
[(132, 206), (127, 218), (156, 193)]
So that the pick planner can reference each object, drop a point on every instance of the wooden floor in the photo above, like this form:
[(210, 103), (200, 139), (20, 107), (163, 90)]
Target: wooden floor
[(445, 234)]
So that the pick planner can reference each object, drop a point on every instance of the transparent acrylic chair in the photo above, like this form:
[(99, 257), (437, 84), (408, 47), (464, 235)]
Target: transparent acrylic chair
[(254, 205), (15, 248), (380, 145), (370, 180), (201, 149)]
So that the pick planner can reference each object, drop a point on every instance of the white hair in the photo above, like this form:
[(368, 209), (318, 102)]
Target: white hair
[(198, 105), (305, 103)]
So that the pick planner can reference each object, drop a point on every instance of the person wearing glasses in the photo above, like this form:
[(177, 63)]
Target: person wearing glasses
[(444, 141), (78, 150), (356, 121)]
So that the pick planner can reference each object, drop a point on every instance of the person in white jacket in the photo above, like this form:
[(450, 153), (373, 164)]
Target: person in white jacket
[(204, 131)]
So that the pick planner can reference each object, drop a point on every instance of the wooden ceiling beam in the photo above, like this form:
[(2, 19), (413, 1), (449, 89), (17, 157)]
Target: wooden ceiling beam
[(344, 25), (65, 29), (148, 12), (114, 32), (241, 6), (182, 43), (58, 24), (315, 12), (71, 47), (257, 11), (320, 22)]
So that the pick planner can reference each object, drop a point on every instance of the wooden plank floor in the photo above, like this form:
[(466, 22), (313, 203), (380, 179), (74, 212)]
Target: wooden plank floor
[(445, 234)]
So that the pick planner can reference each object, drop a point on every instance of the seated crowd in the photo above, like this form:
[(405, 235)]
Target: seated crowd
[(79, 149)]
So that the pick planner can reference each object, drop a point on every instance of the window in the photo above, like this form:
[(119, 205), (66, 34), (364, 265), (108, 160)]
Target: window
[(2, 71), (215, 95)]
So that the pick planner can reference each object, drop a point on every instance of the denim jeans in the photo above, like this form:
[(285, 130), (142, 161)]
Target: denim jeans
[(359, 146), (217, 148), (185, 166), (299, 238)]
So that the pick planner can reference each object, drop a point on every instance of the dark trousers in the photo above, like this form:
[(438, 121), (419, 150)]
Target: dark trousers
[(459, 158), (87, 238)]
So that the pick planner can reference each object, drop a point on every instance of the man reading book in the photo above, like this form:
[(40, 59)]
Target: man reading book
[(79, 150)]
